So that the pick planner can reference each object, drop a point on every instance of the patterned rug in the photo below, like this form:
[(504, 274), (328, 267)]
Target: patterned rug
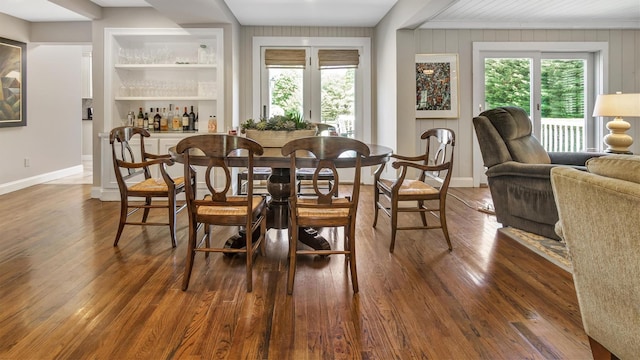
[(552, 250)]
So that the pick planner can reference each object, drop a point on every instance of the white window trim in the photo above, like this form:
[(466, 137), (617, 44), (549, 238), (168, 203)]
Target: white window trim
[(363, 80)]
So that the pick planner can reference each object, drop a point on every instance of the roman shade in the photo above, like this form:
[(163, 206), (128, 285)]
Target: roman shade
[(285, 58), (338, 59)]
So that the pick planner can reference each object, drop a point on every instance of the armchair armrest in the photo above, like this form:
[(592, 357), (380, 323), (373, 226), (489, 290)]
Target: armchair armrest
[(572, 158), (513, 168), (408, 158)]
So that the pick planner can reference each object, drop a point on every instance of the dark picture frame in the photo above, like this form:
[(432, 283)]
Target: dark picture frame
[(13, 83), (436, 86)]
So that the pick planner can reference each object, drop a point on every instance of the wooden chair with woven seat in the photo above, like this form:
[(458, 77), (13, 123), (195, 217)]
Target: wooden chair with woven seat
[(304, 176), (136, 166), (325, 210), (260, 174), (219, 207), (435, 167)]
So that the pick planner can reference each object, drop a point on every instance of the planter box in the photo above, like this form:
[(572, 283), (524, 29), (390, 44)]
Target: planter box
[(272, 138)]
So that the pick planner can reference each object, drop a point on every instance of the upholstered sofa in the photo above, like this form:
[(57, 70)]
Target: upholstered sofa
[(599, 213), (518, 170)]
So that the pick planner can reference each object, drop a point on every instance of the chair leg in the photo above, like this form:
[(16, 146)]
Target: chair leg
[(423, 216), (293, 241), (352, 258), (145, 215), (172, 219), (376, 200), (124, 207), (443, 223), (263, 231), (190, 256), (394, 224), (248, 238)]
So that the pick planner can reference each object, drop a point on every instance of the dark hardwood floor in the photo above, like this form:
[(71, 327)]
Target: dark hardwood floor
[(67, 293)]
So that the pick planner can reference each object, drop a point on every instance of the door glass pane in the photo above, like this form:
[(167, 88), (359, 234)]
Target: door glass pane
[(337, 100), (285, 91), (562, 107), (507, 83)]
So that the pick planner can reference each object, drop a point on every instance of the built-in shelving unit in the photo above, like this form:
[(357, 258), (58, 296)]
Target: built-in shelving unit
[(152, 68)]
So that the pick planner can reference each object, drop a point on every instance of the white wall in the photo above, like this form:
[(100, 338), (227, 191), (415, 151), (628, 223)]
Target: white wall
[(51, 139)]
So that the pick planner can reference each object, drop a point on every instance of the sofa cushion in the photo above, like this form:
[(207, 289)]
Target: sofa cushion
[(623, 167)]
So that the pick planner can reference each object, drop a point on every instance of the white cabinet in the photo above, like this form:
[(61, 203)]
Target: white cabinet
[(87, 85), (159, 68)]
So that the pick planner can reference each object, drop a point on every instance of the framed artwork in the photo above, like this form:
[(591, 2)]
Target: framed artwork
[(437, 86), (13, 79)]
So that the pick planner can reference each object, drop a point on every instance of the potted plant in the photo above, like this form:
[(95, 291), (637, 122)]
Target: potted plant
[(279, 129)]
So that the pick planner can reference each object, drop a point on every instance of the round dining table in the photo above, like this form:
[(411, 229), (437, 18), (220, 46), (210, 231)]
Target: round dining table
[(279, 181)]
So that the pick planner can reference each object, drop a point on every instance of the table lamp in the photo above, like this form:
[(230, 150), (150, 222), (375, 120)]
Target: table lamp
[(617, 105)]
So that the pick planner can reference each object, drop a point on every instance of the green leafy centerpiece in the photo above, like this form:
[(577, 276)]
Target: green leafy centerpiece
[(279, 129)]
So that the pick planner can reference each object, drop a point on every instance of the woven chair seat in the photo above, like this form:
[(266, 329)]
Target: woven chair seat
[(410, 187), (155, 185), (322, 212), (226, 210)]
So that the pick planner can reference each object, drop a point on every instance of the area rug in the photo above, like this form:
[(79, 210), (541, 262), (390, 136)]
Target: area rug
[(550, 249)]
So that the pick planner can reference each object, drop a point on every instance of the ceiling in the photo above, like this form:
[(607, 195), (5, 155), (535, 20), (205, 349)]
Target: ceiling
[(552, 14)]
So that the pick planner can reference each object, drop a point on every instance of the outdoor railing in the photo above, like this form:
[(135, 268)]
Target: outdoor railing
[(562, 134)]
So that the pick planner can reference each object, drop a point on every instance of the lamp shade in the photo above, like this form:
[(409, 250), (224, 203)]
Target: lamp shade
[(618, 105)]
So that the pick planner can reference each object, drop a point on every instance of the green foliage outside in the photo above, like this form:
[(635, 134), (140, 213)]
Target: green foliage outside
[(507, 83), (285, 91), (337, 92)]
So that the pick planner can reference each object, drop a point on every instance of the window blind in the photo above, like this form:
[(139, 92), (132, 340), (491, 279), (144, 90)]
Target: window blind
[(338, 59), (285, 58)]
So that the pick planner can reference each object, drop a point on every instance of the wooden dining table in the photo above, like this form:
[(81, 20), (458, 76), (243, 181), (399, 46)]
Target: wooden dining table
[(278, 184)]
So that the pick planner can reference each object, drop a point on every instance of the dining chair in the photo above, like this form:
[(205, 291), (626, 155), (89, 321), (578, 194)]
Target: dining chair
[(260, 175), (435, 167), (325, 209), (304, 176), (134, 171), (218, 207)]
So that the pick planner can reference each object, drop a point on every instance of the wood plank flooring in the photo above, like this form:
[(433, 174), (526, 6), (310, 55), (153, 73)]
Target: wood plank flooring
[(67, 293)]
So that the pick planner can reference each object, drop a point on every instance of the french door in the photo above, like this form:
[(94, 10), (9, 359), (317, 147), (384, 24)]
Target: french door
[(556, 88)]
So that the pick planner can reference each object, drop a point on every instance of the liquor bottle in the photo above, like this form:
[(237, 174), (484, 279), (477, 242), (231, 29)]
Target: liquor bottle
[(130, 117), (192, 120), (185, 120), (213, 124), (164, 120), (196, 126), (156, 120), (177, 120), (145, 121), (140, 120)]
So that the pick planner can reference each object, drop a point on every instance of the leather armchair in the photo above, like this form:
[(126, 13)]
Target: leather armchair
[(518, 170)]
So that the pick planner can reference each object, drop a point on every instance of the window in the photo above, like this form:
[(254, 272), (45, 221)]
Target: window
[(556, 83), (324, 81)]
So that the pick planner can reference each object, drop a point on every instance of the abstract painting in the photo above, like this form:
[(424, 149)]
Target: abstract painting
[(13, 74), (436, 86)]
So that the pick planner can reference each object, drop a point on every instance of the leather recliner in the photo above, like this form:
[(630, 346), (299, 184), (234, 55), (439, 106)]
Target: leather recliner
[(518, 170)]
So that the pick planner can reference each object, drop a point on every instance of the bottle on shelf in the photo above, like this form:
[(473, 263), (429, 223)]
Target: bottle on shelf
[(156, 120), (213, 124), (140, 119), (192, 120), (185, 120), (203, 56), (176, 123), (130, 117), (145, 121), (164, 120), (196, 126)]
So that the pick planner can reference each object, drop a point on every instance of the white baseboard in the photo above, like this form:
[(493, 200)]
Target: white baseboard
[(39, 179)]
